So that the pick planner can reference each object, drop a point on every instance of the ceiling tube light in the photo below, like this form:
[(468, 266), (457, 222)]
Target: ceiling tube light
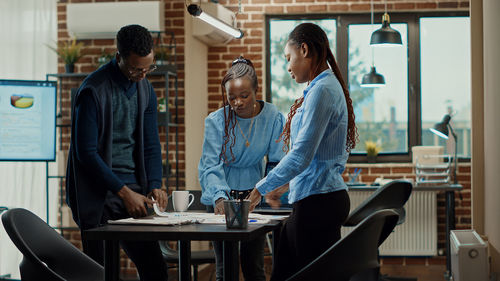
[(196, 11), (372, 79), (386, 35)]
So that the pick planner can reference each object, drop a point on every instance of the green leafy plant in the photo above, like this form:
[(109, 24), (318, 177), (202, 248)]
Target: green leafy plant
[(105, 58), (162, 53), (372, 148), (69, 51)]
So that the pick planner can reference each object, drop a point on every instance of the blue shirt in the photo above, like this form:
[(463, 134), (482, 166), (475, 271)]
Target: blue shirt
[(217, 177), (318, 137)]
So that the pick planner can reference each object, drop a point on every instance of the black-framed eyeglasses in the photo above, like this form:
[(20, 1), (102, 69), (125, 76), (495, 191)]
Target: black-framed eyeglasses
[(137, 71), (241, 60)]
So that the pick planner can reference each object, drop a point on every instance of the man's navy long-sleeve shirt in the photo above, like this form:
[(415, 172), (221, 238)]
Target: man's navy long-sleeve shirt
[(86, 138)]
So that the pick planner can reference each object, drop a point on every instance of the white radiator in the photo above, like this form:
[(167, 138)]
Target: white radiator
[(417, 236)]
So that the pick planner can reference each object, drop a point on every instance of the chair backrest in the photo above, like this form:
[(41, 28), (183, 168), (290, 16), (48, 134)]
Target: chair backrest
[(392, 195), (354, 253), (46, 254)]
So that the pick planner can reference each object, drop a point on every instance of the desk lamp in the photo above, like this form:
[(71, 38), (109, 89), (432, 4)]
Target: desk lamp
[(441, 129)]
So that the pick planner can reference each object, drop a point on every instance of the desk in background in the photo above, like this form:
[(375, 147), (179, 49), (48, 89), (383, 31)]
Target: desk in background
[(184, 234)]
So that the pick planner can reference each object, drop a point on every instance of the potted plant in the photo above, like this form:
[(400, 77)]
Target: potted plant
[(372, 150), (70, 52), (104, 58), (162, 55)]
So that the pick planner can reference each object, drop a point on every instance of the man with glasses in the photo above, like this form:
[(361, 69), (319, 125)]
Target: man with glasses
[(114, 164)]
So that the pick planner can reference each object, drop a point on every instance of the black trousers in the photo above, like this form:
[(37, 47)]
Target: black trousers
[(313, 226), (146, 255)]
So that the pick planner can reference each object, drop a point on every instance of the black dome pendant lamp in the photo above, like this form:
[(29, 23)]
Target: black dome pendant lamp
[(386, 35), (372, 79)]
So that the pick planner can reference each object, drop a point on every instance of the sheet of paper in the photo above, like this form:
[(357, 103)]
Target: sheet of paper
[(177, 218)]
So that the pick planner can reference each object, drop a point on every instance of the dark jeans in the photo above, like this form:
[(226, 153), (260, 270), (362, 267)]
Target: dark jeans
[(251, 258), (146, 255), (313, 226)]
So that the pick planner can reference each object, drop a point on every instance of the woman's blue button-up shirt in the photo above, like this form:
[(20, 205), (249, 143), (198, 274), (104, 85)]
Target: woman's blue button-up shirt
[(217, 177), (318, 137)]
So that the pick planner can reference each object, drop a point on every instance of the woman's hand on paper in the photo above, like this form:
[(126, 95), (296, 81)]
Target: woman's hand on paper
[(255, 198), (273, 198), (160, 197)]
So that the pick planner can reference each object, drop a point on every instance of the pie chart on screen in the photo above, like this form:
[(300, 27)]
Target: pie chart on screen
[(22, 101)]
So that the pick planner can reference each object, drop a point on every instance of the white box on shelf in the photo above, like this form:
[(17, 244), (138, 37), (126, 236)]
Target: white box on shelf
[(419, 152), (469, 258)]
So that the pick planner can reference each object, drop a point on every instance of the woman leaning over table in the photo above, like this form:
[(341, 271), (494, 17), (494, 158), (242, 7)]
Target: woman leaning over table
[(321, 130), (237, 138)]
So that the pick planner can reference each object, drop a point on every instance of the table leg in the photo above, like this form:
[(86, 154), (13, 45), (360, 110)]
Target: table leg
[(276, 239), (450, 225), (184, 260), (231, 260), (111, 260)]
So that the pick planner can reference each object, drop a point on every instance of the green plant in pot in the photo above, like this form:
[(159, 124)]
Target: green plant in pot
[(105, 58), (372, 150), (162, 55), (70, 52)]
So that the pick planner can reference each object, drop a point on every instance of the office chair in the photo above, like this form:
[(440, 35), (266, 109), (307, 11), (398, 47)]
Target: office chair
[(46, 254), (392, 195), (354, 253), (197, 257)]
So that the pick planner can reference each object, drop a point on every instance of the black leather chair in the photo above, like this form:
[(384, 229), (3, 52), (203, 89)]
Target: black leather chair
[(197, 257), (354, 253), (46, 254), (392, 195)]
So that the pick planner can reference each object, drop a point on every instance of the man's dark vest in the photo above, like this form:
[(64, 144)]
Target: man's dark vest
[(85, 194)]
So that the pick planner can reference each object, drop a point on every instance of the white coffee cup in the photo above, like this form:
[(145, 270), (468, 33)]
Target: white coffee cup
[(182, 200)]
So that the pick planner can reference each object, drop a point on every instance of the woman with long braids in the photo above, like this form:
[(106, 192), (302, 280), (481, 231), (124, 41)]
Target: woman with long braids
[(321, 130), (237, 138)]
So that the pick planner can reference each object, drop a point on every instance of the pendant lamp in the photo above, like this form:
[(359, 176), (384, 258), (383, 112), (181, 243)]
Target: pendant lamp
[(386, 35), (372, 79)]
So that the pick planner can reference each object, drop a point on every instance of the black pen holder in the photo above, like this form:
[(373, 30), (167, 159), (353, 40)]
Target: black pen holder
[(236, 213)]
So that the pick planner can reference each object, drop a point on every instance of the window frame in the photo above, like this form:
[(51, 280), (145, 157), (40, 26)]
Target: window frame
[(413, 53)]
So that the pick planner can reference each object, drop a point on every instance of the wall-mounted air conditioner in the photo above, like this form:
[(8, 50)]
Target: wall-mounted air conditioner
[(209, 34), (104, 19)]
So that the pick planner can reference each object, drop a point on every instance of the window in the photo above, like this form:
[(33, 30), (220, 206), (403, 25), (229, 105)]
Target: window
[(426, 77), (445, 79), (381, 113), (285, 90)]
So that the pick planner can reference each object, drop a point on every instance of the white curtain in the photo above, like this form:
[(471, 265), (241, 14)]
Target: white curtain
[(26, 28)]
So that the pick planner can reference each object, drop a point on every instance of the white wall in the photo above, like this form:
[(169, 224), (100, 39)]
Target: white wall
[(491, 41), (196, 100)]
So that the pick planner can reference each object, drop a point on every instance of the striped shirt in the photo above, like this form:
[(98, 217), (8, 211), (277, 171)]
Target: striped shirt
[(318, 136)]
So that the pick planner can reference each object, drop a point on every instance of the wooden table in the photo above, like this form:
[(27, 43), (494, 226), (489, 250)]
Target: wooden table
[(184, 234)]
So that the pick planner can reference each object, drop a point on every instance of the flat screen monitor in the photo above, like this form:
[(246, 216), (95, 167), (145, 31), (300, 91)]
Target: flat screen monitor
[(27, 120)]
